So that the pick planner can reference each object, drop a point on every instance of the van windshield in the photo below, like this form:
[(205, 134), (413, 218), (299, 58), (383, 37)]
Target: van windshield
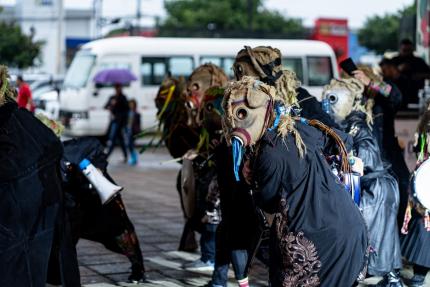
[(80, 69)]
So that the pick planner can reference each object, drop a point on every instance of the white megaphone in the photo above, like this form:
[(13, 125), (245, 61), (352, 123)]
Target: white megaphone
[(106, 189)]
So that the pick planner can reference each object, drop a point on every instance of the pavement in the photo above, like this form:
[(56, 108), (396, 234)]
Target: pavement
[(153, 206)]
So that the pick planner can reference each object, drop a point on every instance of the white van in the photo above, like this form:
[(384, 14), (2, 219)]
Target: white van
[(82, 103)]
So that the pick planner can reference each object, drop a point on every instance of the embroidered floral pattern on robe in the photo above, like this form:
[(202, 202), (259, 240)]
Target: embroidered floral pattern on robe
[(299, 255)]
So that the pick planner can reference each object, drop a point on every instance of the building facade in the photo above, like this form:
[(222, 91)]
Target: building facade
[(62, 30)]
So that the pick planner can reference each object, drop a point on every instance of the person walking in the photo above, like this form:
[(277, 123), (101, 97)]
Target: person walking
[(133, 128), (118, 106), (24, 98)]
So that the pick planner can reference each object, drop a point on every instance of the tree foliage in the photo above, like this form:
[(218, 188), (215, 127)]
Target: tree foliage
[(382, 33), (225, 15), (17, 49)]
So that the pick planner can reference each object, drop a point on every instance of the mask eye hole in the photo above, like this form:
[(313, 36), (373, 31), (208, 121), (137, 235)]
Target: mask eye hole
[(241, 114), (195, 87), (332, 98), (238, 72), (209, 107)]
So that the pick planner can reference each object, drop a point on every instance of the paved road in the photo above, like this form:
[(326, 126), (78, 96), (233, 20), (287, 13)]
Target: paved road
[(153, 206)]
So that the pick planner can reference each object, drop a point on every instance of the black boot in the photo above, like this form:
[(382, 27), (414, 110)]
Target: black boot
[(391, 279), (137, 274)]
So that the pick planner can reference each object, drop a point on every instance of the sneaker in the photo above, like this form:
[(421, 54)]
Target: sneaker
[(391, 279), (200, 265), (416, 281)]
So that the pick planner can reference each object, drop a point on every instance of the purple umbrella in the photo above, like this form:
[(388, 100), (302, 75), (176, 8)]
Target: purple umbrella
[(114, 76)]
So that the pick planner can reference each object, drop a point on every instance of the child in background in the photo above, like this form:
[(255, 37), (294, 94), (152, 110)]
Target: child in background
[(133, 128)]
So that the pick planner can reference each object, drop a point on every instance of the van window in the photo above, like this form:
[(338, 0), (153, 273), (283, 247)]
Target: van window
[(295, 65), (80, 69), (180, 66), (154, 69), (320, 71), (114, 65), (222, 62)]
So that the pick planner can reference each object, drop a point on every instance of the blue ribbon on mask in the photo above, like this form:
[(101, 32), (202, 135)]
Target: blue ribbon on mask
[(279, 111), (237, 146), (326, 106)]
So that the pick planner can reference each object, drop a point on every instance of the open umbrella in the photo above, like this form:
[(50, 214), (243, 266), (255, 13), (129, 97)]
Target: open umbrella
[(114, 76)]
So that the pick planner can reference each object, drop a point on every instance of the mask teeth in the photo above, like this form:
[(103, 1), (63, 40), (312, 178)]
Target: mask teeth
[(237, 145)]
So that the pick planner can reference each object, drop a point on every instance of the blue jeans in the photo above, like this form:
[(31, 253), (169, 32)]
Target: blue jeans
[(116, 132), (207, 242), (239, 259)]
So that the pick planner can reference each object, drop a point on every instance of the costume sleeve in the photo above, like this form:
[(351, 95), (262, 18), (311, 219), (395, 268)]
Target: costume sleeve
[(268, 172), (366, 148)]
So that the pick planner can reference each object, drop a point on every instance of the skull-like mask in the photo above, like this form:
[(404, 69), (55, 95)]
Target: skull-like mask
[(342, 97)]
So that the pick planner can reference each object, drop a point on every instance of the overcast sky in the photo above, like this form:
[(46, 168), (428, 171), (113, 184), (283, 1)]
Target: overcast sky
[(355, 11)]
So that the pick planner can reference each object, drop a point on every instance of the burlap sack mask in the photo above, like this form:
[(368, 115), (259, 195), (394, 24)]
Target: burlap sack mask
[(250, 110), (265, 64), (202, 78), (345, 96), (248, 107)]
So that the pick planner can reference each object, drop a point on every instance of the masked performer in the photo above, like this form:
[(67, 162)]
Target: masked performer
[(178, 105), (32, 208), (416, 242), (318, 235), (235, 233), (380, 194), (106, 223), (96, 213), (201, 164), (387, 100)]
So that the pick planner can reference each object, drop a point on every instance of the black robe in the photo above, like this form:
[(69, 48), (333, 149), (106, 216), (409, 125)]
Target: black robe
[(31, 203), (319, 237), (108, 224), (380, 198)]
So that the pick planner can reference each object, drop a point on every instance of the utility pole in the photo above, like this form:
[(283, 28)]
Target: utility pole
[(138, 16), (97, 14), (60, 38)]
